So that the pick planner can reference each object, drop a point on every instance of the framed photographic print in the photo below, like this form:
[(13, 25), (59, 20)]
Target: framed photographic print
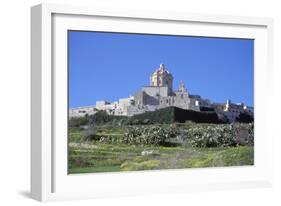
[(135, 102)]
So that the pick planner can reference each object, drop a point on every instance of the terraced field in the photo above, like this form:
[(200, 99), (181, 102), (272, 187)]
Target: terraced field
[(94, 155)]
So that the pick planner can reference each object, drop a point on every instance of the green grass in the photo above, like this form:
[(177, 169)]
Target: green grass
[(112, 158), (80, 170), (220, 157), (93, 156)]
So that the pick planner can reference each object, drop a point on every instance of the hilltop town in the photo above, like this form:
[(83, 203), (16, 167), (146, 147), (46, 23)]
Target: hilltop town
[(159, 94)]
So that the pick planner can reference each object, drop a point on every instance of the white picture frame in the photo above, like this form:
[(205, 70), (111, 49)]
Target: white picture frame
[(49, 178)]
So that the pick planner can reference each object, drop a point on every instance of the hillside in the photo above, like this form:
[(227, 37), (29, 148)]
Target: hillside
[(161, 116)]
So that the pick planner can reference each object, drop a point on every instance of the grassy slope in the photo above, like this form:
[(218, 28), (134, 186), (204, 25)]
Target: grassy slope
[(109, 157), (88, 157)]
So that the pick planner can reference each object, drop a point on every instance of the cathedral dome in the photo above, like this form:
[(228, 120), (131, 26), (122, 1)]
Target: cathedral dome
[(162, 77), (162, 69)]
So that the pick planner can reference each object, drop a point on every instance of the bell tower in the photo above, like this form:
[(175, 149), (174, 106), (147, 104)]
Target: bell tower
[(182, 87)]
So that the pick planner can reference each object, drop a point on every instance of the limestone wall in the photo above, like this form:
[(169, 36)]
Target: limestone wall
[(156, 91)]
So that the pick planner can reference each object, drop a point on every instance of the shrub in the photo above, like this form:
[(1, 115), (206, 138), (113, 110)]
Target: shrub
[(148, 135), (102, 118), (78, 121), (224, 135), (193, 134)]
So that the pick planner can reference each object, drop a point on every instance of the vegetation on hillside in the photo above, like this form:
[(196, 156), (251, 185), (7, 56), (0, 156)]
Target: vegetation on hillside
[(159, 146), (101, 157), (167, 138), (162, 116)]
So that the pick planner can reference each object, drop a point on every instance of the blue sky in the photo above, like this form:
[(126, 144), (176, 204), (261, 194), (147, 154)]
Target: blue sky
[(109, 66)]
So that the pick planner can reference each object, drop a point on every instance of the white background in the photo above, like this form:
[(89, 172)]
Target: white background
[(15, 101)]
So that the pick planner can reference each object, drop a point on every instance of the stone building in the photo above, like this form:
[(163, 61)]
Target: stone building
[(160, 94), (232, 111), (82, 111)]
